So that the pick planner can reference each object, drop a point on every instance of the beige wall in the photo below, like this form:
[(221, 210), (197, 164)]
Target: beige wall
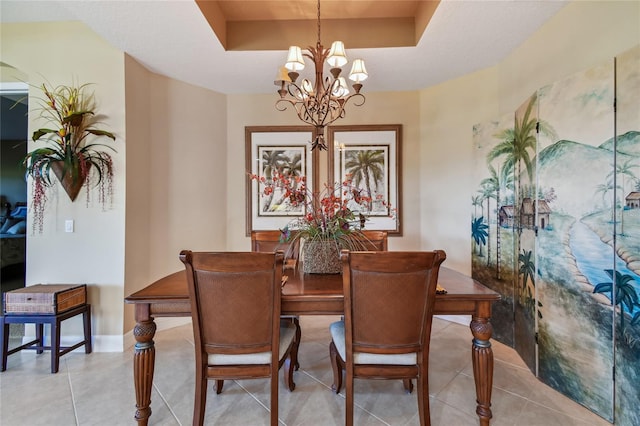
[(184, 151), (93, 253), (380, 108), (176, 175), (448, 112), (188, 172), (138, 175), (581, 35)]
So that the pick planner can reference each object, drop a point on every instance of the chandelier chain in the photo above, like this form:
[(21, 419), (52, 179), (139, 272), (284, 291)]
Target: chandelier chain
[(319, 22)]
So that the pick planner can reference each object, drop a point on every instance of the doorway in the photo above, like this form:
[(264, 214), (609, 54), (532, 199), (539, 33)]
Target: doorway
[(14, 110)]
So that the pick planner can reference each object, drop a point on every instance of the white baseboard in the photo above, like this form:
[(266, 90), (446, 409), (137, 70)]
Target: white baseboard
[(110, 343)]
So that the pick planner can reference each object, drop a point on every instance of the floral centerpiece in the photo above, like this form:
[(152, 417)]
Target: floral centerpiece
[(70, 153), (333, 219)]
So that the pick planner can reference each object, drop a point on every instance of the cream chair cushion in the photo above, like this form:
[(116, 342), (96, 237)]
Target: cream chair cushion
[(337, 334), (287, 334)]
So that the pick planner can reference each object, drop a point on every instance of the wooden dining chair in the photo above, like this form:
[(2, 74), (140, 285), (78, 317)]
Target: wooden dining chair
[(372, 241), (235, 308), (388, 306), (269, 241)]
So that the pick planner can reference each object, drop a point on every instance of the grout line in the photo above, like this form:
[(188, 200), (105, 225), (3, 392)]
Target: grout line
[(238, 382), (73, 398), (446, 385), (529, 399), (343, 397), (510, 364), (317, 380), (581, 420), (166, 403)]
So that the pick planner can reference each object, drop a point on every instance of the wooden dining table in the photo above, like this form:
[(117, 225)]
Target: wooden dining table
[(313, 294)]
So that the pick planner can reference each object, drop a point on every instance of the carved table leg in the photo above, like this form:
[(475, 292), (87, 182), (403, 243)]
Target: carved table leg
[(482, 355), (143, 364)]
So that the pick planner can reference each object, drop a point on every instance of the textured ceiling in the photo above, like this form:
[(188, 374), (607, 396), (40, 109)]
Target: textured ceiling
[(174, 39)]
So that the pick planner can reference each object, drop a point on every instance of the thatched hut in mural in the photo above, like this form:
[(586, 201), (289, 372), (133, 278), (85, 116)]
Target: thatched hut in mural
[(632, 200), (528, 214), (505, 216)]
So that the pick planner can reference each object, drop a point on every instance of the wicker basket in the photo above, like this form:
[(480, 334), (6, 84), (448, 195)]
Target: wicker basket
[(45, 298), (321, 257)]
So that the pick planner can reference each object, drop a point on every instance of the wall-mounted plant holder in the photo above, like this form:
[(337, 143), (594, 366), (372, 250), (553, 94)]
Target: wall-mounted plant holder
[(70, 184)]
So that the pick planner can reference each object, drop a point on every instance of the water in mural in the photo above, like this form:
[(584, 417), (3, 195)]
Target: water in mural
[(568, 223)]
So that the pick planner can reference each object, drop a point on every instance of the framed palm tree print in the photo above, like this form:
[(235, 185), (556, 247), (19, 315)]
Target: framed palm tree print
[(369, 157), (272, 152)]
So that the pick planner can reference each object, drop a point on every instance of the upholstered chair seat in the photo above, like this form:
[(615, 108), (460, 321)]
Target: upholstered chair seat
[(287, 336), (337, 335)]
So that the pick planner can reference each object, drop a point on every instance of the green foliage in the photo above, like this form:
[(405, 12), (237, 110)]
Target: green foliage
[(71, 110)]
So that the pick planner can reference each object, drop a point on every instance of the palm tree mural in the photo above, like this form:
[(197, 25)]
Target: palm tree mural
[(625, 294), (479, 233), (527, 270), (366, 167), (605, 188), (475, 202), (517, 147), (498, 181), (487, 192)]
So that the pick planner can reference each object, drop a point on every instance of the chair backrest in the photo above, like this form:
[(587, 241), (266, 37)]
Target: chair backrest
[(269, 241), (389, 299), (372, 241), (235, 301)]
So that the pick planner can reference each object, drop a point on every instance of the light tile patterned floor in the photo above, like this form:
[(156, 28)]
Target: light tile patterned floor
[(97, 389)]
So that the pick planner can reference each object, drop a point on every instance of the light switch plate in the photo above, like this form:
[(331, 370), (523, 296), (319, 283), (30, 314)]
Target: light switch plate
[(68, 225)]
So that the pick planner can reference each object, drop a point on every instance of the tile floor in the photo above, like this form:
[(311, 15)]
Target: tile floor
[(97, 389)]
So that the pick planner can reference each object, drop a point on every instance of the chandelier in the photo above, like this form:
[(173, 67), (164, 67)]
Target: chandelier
[(322, 102)]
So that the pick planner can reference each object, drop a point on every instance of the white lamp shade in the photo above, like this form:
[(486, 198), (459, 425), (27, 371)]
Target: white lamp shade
[(358, 71), (340, 88), (294, 59), (282, 76), (337, 56)]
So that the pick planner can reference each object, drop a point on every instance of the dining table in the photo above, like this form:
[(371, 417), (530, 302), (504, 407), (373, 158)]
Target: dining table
[(314, 294)]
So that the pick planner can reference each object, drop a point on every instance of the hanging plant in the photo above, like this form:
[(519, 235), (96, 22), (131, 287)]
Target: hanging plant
[(70, 151)]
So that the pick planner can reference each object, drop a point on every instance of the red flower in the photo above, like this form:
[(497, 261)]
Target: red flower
[(327, 215)]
